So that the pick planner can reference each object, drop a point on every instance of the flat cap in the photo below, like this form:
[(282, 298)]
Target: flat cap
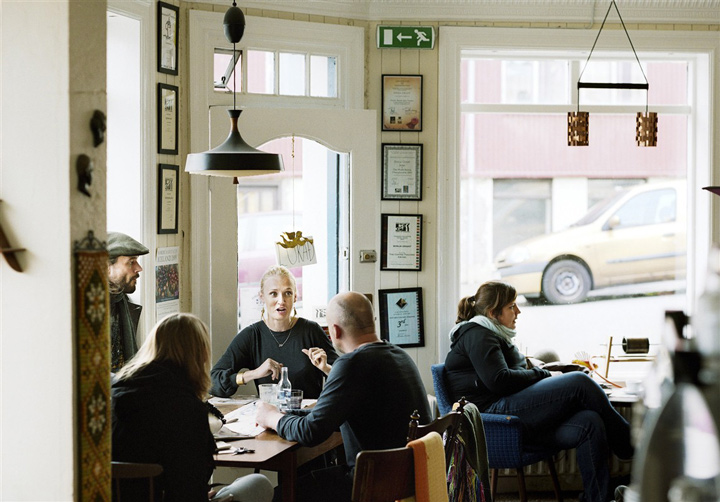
[(123, 245)]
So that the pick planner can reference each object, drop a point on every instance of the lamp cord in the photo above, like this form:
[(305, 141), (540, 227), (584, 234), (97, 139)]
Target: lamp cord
[(612, 3), (234, 72)]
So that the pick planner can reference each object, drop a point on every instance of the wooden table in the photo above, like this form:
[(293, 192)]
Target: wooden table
[(272, 453)]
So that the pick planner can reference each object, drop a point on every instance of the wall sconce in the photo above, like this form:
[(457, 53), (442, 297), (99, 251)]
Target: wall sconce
[(579, 122), (234, 157)]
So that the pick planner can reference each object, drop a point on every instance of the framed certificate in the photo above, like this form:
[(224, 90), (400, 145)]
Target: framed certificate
[(401, 171), (401, 242), (402, 102), (167, 119), (401, 317), (167, 220), (167, 38)]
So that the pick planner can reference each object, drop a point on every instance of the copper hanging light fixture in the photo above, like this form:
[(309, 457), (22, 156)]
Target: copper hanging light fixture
[(579, 122), (234, 157)]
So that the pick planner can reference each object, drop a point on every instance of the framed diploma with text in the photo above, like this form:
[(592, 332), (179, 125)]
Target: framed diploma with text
[(401, 171), (168, 178), (402, 102), (167, 119), (167, 38), (401, 317), (401, 242)]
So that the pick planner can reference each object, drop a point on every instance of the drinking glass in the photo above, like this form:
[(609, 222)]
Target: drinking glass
[(295, 401), (267, 392)]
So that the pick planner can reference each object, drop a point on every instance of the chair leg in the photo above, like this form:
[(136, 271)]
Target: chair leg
[(521, 484), (555, 481), (493, 483)]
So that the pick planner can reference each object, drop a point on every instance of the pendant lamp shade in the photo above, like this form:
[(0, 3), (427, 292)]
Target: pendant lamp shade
[(234, 158)]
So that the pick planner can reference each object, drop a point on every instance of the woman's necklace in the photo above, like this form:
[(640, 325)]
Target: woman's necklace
[(289, 332)]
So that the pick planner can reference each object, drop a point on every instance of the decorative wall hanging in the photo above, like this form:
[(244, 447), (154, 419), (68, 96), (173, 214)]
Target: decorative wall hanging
[(401, 242), (167, 118), (402, 102), (579, 122), (167, 210), (401, 317), (401, 172), (92, 344), (167, 38)]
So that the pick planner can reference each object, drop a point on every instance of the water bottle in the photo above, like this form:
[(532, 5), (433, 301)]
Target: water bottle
[(283, 389)]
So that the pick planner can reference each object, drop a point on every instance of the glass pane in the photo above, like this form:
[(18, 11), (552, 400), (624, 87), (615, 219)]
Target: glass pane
[(292, 74), (224, 78), (493, 81), (271, 205), (523, 190), (323, 76), (261, 72)]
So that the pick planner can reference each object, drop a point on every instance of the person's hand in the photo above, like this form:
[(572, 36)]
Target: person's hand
[(213, 492), (267, 415), (269, 367), (318, 357)]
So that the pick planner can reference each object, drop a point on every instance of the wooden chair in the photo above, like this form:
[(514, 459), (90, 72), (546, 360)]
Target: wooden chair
[(504, 438), (384, 475), (133, 470), (447, 426)]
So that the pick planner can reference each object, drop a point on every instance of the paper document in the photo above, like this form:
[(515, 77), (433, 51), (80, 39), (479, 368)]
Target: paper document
[(246, 424)]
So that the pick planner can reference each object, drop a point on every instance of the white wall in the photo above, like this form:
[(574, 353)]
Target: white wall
[(45, 124)]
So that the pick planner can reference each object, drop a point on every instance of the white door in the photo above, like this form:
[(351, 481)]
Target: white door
[(214, 202)]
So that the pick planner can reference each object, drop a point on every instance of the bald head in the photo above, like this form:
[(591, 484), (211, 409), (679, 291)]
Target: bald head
[(352, 313)]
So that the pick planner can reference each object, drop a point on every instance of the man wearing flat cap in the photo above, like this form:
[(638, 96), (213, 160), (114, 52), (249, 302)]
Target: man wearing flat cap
[(123, 273)]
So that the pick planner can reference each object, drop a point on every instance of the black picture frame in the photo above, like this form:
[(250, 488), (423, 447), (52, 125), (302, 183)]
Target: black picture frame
[(401, 316), (167, 107), (168, 19), (167, 198), (402, 97), (402, 166), (401, 242)]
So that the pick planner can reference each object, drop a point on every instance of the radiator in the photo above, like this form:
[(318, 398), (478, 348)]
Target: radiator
[(537, 476)]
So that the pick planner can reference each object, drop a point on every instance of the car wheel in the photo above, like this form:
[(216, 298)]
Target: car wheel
[(566, 281)]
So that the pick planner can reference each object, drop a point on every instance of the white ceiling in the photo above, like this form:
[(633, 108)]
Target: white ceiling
[(542, 11)]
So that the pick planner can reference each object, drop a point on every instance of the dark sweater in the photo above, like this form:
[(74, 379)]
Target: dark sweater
[(254, 344), (156, 418), (483, 367), (370, 395)]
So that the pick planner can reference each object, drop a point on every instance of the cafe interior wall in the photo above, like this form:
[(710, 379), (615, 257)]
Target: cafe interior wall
[(51, 53)]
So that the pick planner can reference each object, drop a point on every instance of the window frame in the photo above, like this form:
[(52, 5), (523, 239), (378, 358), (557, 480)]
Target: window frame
[(702, 48)]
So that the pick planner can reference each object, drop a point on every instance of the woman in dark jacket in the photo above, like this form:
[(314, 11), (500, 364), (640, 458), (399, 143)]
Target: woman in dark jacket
[(158, 413), (558, 411)]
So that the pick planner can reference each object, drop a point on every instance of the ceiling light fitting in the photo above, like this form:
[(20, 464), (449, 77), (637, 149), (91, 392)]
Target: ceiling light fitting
[(579, 122), (234, 157)]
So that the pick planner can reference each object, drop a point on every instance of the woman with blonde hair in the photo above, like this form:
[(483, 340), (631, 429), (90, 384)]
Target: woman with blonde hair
[(159, 415), (558, 411), (280, 338)]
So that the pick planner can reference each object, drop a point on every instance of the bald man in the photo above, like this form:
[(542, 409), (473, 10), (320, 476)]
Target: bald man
[(371, 390)]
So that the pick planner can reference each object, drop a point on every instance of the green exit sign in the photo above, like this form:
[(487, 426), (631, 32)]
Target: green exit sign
[(405, 37)]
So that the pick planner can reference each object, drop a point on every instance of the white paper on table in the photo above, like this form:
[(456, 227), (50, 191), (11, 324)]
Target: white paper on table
[(246, 423), (235, 400)]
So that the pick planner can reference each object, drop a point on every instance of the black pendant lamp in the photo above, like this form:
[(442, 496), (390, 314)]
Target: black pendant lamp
[(234, 157)]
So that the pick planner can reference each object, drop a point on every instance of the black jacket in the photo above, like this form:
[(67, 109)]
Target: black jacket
[(156, 418)]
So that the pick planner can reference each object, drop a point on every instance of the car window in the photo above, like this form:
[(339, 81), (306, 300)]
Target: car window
[(649, 208)]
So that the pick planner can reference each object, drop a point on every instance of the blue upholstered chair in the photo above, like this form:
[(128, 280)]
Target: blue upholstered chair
[(504, 438)]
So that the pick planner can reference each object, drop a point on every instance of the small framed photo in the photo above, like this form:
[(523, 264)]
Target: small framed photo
[(167, 199), (402, 102), (401, 317), (167, 38), (401, 171), (401, 242), (167, 119)]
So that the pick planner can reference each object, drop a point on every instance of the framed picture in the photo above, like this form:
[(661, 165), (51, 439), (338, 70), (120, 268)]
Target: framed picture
[(401, 242), (167, 119), (167, 199), (401, 171), (167, 38), (402, 103), (401, 317)]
